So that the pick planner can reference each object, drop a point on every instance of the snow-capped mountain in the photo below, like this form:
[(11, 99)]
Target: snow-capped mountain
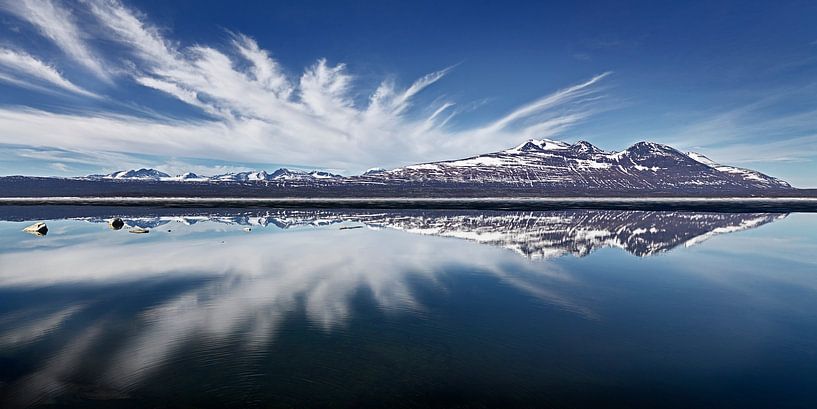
[(134, 174), (747, 175), (548, 163), (282, 174), (534, 168), (187, 177), (242, 177)]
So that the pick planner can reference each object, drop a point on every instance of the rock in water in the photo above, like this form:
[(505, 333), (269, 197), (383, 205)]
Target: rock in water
[(138, 230), (39, 229), (116, 224)]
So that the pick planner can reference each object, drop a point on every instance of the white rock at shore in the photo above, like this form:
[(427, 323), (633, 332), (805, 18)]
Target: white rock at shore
[(38, 228)]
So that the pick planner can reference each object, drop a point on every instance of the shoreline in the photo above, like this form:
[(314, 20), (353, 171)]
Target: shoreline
[(737, 204)]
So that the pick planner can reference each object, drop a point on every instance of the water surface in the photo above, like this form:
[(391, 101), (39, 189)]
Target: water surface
[(401, 308)]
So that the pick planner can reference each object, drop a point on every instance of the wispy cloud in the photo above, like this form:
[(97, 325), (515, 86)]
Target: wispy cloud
[(545, 103), (26, 66), (748, 134), (57, 24), (68, 162), (255, 112)]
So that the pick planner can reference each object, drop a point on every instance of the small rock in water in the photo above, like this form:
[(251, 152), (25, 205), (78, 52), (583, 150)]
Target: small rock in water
[(138, 230), (116, 224), (38, 229)]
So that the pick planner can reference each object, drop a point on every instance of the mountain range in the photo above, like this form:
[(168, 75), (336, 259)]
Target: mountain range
[(282, 174), (643, 166), (540, 162), (533, 168)]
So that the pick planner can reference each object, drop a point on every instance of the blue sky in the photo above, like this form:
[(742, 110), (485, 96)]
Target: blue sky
[(94, 86)]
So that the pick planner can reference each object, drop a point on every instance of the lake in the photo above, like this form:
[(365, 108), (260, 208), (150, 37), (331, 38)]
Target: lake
[(346, 308)]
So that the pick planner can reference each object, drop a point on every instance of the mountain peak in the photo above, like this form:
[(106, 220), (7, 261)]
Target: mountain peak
[(647, 145), (645, 149), (372, 171), (284, 172), (320, 174), (585, 147), (143, 173), (534, 145), (564, 167), (544, 164), (243, 176)]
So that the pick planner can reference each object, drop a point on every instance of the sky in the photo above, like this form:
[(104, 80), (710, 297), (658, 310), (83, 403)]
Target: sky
[(95, 86)]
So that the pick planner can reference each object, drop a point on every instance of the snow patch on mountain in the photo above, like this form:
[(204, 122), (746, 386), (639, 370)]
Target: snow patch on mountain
[(134, 174), (532, 145), (282, 174), (582, 166), (540, 163), (747, 174)]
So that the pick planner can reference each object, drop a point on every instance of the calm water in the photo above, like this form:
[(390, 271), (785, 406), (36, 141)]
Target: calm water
[(321, 308)]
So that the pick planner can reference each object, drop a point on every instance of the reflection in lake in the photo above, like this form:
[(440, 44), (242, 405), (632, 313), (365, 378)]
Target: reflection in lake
[(416, 308)]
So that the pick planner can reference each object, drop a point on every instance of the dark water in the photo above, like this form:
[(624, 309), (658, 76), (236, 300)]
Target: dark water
[(323, 308)]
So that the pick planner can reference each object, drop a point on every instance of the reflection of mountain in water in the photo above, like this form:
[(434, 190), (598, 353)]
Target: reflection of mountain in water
[(536, 235), (228, 287), (578, 232)]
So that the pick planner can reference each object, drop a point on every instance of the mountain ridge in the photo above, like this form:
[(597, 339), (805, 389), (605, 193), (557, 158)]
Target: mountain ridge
[(547, 162), (533, 168), (540, 156)]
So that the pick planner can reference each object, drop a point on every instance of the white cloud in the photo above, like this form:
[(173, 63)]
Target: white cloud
[(23, 64), (248, 290), (58, 25), (61, 167), (69, 162), (746, 134), (547, 102), (265, 70), (258, 113)]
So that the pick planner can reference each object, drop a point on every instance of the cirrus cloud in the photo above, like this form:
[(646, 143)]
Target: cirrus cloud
[(252, 111)]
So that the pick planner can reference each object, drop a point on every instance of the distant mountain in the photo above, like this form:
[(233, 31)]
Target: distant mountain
[(138, 174), (242, 177), (282, 174), (189, 176), (535, 168), (543, 163), (254, 176), (582, 166)]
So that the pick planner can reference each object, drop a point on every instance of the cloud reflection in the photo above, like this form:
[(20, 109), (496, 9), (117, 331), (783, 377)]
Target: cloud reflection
[(299, 260)]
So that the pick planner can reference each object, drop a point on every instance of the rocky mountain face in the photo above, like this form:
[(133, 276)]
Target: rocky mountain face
[(535, 168), (582, 166), (134, 174), (541, 165), (282, 174)]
